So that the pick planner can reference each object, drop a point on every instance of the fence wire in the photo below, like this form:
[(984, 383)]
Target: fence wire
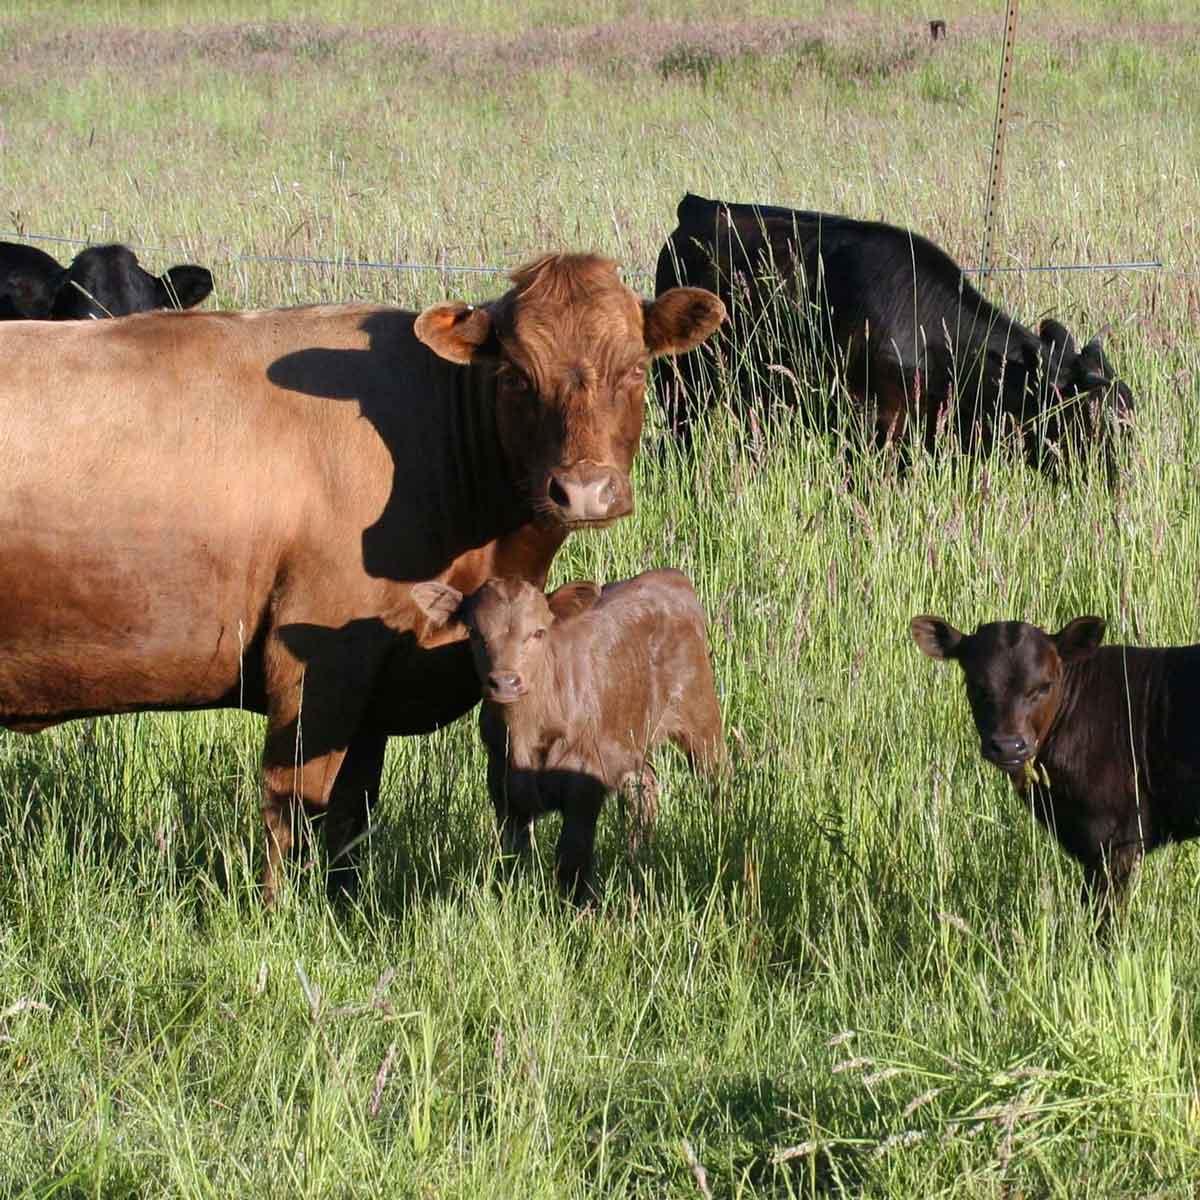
[(359, 264)]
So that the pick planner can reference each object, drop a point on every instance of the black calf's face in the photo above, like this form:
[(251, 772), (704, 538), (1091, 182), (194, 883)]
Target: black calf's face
[(1084, 374), (108, 281), (1014, 673)]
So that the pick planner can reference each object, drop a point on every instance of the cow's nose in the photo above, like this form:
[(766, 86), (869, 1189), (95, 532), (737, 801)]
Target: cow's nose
[(588, 494), (1002, 749), (505, 685)]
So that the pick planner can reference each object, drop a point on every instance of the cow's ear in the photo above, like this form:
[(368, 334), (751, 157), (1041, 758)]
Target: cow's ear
[(680, 319), (1079, 639), (937, 638), (573, 598), (1057, 335), (439, 602), (458, 332), (186, 285)]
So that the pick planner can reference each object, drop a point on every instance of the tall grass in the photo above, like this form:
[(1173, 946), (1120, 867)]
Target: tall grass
[(869, 973)]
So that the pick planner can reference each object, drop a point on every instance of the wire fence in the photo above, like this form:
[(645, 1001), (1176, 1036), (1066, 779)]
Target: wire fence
[(460, 269)]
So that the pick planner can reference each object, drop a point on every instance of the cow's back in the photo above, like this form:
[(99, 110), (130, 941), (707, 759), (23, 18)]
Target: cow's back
[(647, 645), (157, 485)]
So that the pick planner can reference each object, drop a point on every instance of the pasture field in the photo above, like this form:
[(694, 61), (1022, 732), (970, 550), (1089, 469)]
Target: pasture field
[(868, 974)]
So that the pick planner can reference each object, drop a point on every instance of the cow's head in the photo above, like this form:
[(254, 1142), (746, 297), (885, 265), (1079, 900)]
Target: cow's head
[(508, 620), (1084, 377), (1013, 672), (570, 344), (107, 281)]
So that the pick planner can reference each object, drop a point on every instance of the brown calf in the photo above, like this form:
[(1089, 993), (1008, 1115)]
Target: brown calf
[(1103, 740), (579, 687)]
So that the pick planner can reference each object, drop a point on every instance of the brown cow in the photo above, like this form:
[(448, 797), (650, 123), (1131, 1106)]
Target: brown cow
[(579, 687), (229, 509), (1102, 739)]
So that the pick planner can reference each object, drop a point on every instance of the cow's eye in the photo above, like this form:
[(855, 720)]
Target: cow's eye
[(1038, 692), (538, 634), (516, 382)]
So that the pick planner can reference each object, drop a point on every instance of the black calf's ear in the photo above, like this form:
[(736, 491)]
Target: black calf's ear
[(572, 598), (937, 638), (1059, 336), (186, 285), (1079, 639), (439, 602)]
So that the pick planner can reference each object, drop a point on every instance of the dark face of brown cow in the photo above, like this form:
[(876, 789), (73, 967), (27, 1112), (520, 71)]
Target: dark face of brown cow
[(570, 344), (1013, 672)]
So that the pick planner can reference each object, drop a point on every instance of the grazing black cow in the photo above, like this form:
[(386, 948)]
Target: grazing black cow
[(887, 312), (102, 281), (1103, 739)]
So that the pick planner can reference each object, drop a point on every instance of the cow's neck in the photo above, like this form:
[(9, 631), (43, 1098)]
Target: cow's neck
[(489, 494)]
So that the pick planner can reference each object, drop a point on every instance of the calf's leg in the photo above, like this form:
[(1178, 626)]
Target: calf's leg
[(582, 798), (639, 790), (1105, 880)]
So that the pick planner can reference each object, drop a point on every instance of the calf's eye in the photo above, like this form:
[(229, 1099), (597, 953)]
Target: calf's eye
[(538, 634)]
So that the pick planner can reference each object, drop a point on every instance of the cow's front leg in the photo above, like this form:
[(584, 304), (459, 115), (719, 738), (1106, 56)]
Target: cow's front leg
[(290, 783), (355, 791), (317, 685)]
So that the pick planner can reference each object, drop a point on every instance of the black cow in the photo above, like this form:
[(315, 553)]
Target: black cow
[(887, 312), (1103, 739), (102, 281)]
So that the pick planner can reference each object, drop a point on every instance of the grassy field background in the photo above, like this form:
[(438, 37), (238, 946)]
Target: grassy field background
[(869, 974)]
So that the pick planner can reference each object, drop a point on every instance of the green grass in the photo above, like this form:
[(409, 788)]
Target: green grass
[(870, 956)]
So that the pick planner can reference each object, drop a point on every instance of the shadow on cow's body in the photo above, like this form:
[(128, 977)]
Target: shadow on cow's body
[(206, 510)]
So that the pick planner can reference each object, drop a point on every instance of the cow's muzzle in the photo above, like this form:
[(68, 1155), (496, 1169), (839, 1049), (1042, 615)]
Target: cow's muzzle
[(588, 494)]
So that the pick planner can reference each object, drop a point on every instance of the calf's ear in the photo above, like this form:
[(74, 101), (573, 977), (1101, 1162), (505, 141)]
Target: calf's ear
[(439, 602), (1055, 334), (680, 319), (937, 638), (573, 598), (460, 333), (1079, 639), (186, 285)]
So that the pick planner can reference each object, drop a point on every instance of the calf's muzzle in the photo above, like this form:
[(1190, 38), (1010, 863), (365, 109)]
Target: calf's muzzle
[(505, 686), (1006, 751)]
